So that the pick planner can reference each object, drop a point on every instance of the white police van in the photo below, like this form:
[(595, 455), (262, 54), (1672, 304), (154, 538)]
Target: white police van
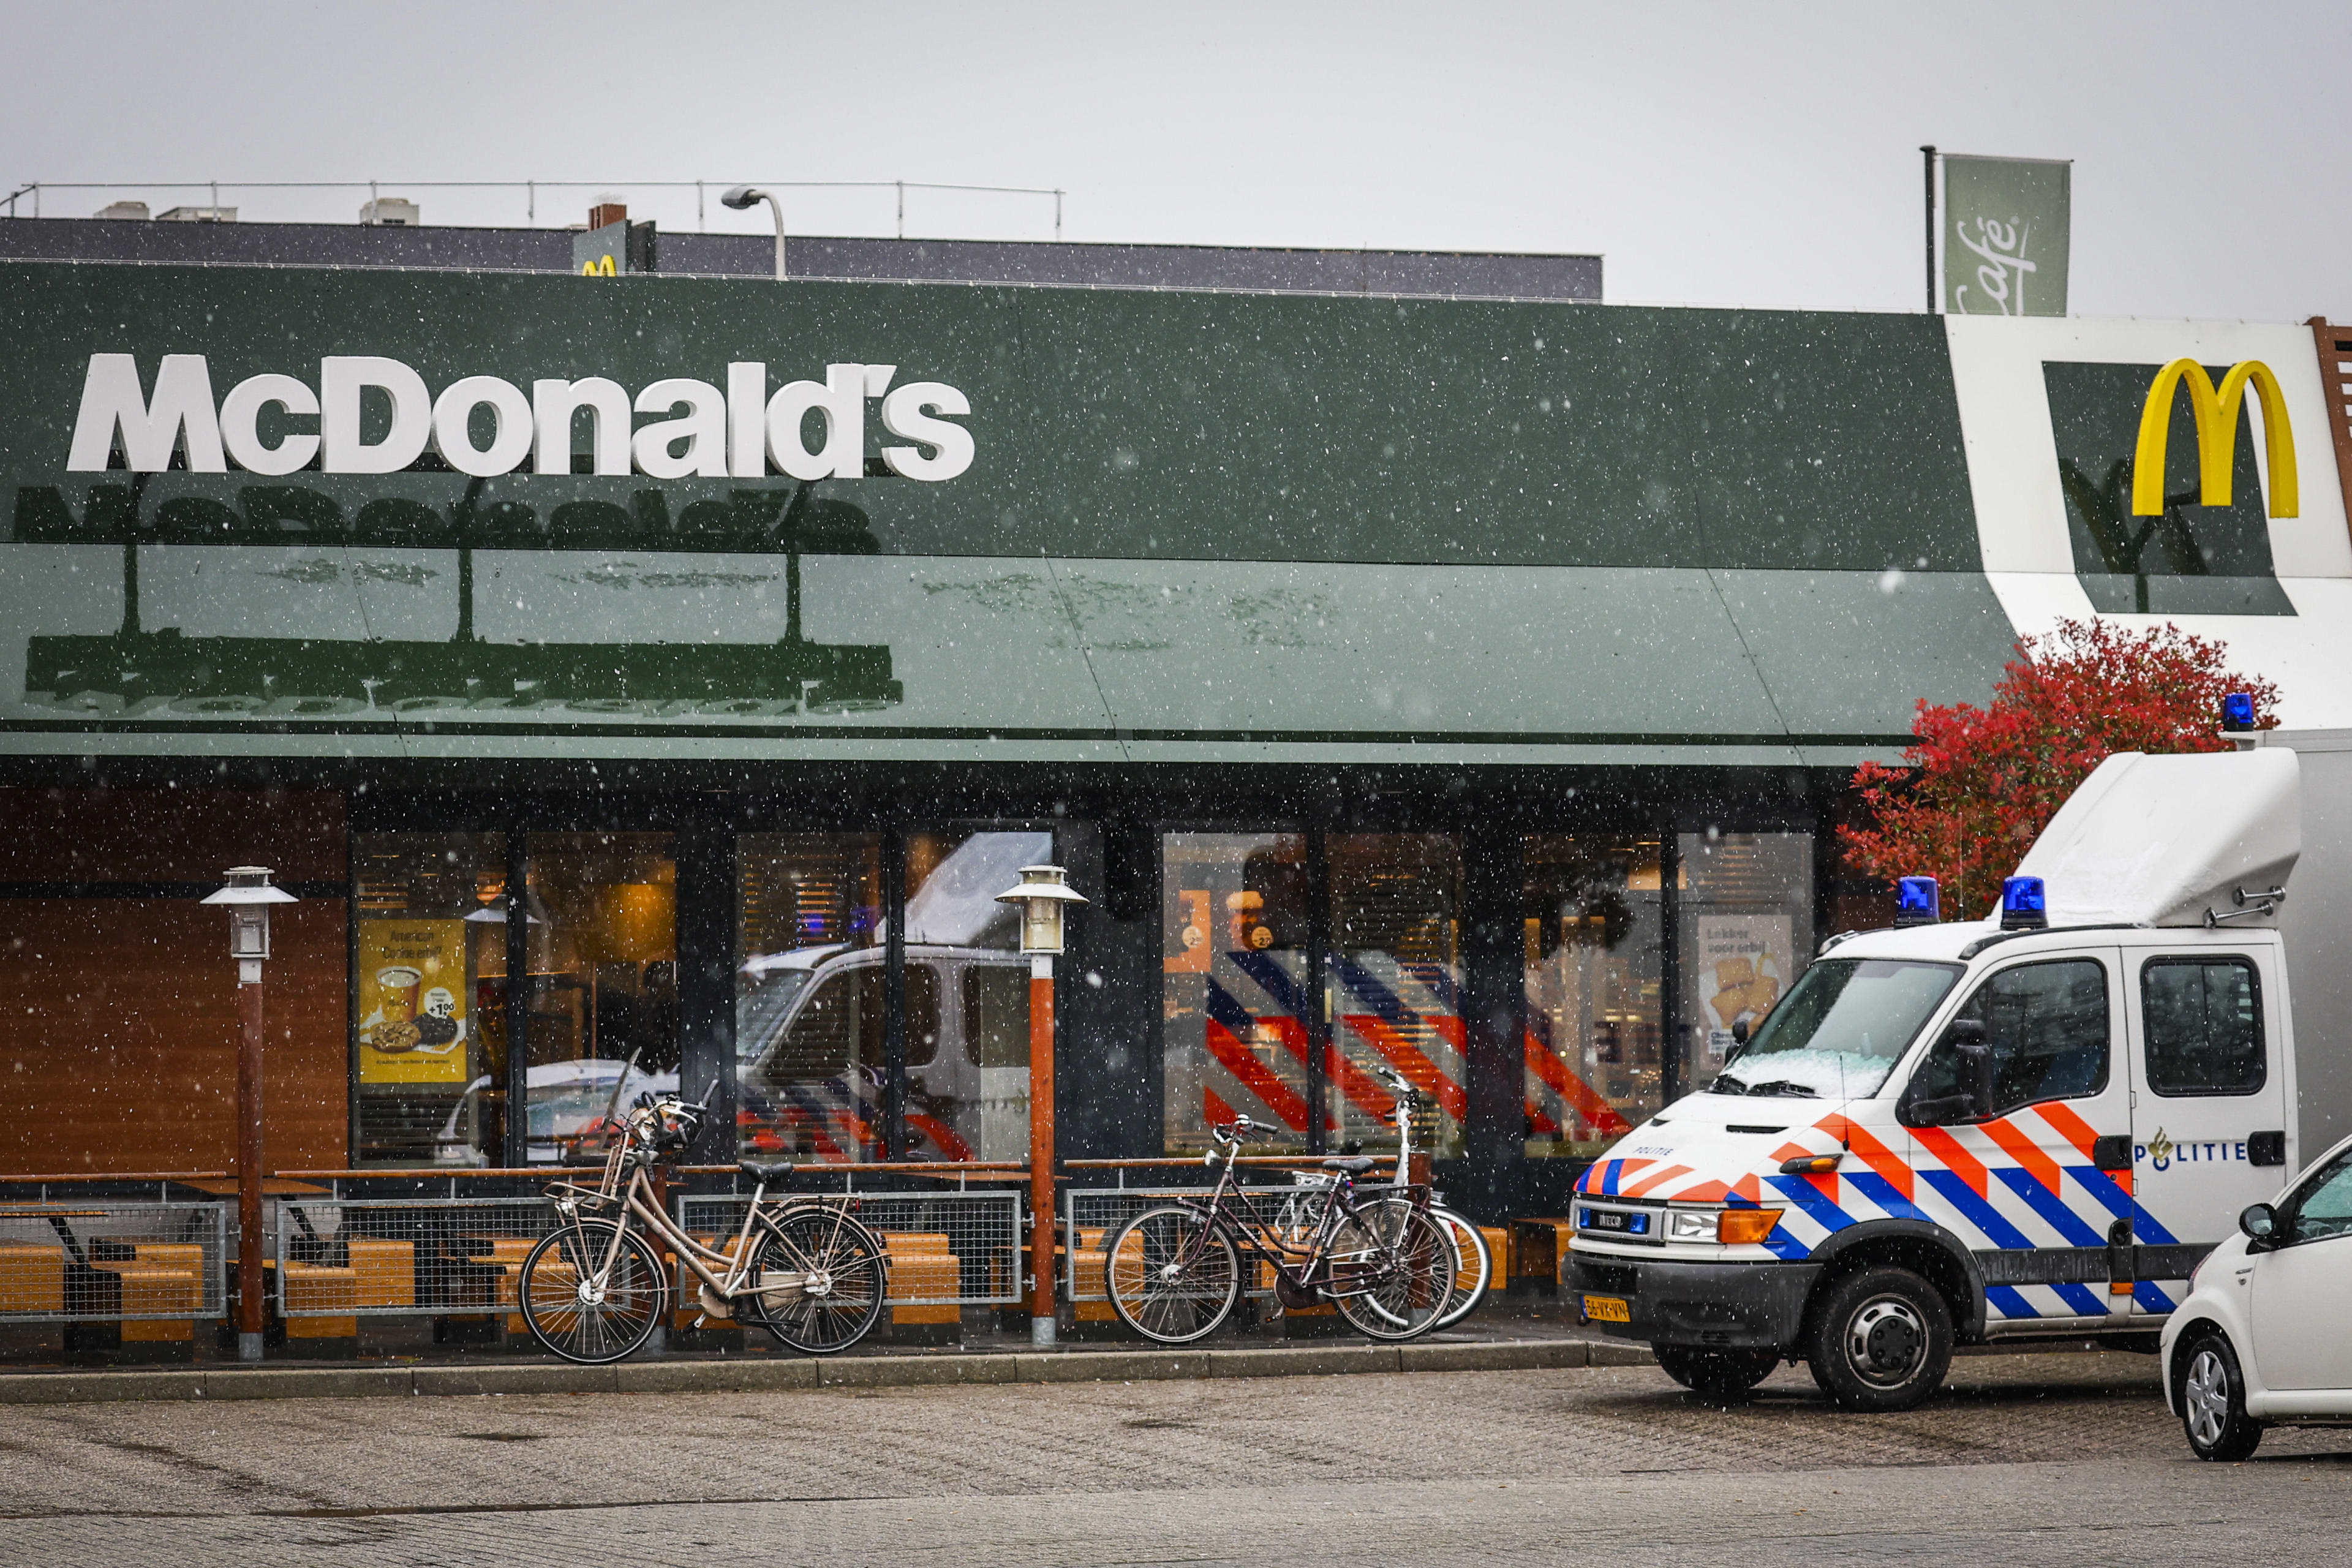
[(2034, 1126)]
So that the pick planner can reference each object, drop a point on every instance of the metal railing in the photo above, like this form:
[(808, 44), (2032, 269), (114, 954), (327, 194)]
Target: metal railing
[(345, 1257), (957, 1248), (97, 1260)]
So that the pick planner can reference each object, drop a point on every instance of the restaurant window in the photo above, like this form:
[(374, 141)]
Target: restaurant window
[(809, 995), (1746, 920), (1233, 999), (1394, 983), (429, 1047), (1593, 936), (967, 1091), (601, 998)]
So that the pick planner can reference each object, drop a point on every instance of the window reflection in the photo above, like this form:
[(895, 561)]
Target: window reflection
[(809, 994), (1394, 981), (429, 1055), (1746, 931), (967, 995), (1235, 1006), (601, 987), (1592, 972)]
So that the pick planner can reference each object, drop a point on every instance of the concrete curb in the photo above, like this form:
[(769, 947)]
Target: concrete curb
[(846, 1372)]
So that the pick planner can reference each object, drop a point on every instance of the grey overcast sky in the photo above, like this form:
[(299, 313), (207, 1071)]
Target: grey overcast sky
[(1715, 153)]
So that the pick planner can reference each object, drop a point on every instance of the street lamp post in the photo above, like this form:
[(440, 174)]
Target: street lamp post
[(248, 897), (1042, 894), (741, 197)]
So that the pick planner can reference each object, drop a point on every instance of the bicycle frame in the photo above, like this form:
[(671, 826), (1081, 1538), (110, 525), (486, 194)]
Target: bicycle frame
[(1253, 1235), (634, 1198)]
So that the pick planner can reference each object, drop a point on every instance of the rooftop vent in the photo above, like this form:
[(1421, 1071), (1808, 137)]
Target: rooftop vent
[(608, 209), (391, 212), (197, 214), (135, 211)]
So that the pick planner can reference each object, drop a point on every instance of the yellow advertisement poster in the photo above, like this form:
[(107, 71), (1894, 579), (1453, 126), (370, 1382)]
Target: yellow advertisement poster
[(413, 1001)]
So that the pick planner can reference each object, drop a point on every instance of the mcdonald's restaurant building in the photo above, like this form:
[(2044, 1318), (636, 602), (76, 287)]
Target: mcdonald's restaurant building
[(651, 681)]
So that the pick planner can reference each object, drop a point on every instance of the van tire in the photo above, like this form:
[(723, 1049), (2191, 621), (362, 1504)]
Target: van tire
[(1880, 1340), (1720, 1376)]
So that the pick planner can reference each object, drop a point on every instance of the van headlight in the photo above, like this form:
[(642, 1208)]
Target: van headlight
[(1732, 1227), (1691, 1225)]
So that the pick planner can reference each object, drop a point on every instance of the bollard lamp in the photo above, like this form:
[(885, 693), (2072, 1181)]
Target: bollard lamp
[(1042, 894), (247, 899)]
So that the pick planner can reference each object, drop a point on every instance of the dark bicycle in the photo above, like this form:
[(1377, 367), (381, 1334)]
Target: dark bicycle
[(1175, 1271)]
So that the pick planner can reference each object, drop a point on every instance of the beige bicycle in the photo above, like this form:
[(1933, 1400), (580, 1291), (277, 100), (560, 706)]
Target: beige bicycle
[(594, 1288)]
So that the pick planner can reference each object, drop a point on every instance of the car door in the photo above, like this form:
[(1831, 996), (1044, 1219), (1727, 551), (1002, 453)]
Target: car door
[(2023, 1184), (2300, 1288), (2209, 1107)]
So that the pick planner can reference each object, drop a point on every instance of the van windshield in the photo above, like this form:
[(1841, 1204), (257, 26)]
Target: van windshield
[(1839, 1029), (761, 1002)]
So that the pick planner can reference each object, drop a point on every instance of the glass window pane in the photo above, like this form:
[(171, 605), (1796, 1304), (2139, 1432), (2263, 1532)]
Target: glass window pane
[(2047, 1026), (1395, 982), (965, 1100), (429, 1055), (1233, 999), (2204, 1023), (809, 1015), (1594, 944), (2324, 1208), (1746, 903), (602, 989)]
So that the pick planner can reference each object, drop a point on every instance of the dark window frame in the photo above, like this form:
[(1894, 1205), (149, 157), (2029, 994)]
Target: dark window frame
[(2147, 1035)]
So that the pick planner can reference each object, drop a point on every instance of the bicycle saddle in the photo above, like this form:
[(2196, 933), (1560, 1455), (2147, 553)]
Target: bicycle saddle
[(1354, 1165), (765, 1170)]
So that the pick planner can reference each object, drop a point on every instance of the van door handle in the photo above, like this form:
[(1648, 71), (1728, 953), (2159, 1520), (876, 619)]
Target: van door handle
[(2266, 1148), (2111, 1152)]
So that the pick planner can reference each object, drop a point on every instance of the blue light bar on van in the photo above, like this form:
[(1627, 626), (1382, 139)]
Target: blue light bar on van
[(2238, 713), (1917, 902), (2023, 904)]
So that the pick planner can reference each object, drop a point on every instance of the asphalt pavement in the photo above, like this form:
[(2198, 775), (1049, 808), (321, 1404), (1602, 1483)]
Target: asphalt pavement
[(2026, 1459)]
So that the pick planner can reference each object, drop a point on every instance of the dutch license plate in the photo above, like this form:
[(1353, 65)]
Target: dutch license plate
[(1606, 1310)]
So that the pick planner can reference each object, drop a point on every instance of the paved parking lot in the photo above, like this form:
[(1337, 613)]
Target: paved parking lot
[(2029, 1458)]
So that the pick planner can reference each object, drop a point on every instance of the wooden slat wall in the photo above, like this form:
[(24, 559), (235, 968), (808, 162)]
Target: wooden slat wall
[(2334, 345), (117, 1015)]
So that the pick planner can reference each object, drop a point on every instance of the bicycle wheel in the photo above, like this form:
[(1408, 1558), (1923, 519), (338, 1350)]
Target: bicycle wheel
[(1477, 1272), (1173, 1276), (841, 1274), (1392, 1270), (580, 1307)]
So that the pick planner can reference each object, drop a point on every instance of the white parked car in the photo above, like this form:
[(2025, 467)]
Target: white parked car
[(2261, 1342)]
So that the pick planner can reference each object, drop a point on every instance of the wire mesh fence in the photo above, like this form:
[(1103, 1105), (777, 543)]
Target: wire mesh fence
[(946, 1249), (1092, 1217), (381, 1258), (98, 1261)]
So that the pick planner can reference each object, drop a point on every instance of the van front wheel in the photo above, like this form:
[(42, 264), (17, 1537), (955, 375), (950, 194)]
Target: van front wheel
[(1880, 1340)]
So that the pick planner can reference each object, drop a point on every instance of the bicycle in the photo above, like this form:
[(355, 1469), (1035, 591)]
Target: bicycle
[(594, 1288), (1174, 1270), (1474, 1268)]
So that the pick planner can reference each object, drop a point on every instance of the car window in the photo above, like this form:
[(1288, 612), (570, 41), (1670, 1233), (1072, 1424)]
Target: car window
[(2047, 1026), (2323, 1206), (2203, 1018), (841, 1021), (922, 1017), (996, 1014)]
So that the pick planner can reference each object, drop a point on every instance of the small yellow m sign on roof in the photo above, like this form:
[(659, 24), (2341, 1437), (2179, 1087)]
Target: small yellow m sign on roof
[(2216, 416)]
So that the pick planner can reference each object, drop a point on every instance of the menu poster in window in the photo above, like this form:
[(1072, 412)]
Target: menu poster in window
[(413, 1001), (1743, 966)]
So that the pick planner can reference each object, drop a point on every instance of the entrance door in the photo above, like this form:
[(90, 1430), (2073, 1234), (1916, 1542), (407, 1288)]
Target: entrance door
[(2205, 1093), (2300, 1289)]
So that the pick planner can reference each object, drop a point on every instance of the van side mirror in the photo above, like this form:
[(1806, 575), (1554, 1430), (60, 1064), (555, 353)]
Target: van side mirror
[(1972, 1080), (1739, 1032), (2260, 1223)]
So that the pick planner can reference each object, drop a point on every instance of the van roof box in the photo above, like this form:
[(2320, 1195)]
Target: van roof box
[(2160, 840)]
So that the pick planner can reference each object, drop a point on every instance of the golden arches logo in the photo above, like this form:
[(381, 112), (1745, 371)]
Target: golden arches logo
[(600, 267), (2215, 412)]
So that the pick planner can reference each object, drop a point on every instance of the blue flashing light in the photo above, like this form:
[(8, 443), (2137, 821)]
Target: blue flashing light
[(2025, 905), (1918, 902), (2238, 713)]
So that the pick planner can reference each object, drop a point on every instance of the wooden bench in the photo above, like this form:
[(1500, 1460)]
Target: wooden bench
[(32, 1276), (921, 1265), (158, 1277)]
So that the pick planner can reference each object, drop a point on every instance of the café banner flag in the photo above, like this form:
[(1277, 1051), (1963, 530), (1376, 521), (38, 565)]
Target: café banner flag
[(2006, 235)]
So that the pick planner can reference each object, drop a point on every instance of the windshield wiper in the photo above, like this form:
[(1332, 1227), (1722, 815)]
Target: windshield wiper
[(1783, 1089), (1726, 1084)]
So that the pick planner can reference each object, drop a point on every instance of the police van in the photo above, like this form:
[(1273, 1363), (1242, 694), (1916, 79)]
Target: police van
[(2032, 1126)]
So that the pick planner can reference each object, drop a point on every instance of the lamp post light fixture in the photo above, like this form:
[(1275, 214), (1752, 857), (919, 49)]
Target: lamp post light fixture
[(247, 899), (741, 197), (1042, 894)]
